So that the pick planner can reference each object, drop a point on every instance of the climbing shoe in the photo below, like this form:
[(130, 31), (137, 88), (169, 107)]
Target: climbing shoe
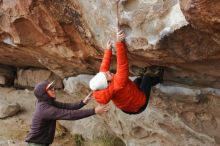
[(141, 72), (161, 74), (154, 71)]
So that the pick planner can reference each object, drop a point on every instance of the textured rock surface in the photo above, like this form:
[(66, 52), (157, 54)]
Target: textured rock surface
[(7, 75), (144, 21), (203, 15), (46, 34), (171, 118), (78, 83), (8, 109), (28, 78), (66, 37), (176, 115), (2, 80)]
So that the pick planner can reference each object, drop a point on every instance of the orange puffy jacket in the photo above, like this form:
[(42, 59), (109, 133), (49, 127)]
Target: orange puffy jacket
[(122, 91)]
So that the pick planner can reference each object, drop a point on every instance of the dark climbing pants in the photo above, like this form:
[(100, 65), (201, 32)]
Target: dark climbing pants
[(145, 84), (34, 144)]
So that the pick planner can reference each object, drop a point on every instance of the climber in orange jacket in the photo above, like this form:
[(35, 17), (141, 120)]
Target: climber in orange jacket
[(130, 97)]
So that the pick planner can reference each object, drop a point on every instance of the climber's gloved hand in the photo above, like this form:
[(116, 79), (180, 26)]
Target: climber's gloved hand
[(109, 45), (121, 36)]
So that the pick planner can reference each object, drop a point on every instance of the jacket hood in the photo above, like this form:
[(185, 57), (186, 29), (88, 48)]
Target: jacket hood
[(40, 91)]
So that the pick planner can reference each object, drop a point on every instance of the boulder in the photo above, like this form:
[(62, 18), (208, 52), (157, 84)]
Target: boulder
[(3, 143), (28, 78), (7, 75), (2, 80), (175, 111), (8, 109), (170, 119), (68, 37), (78, 84)]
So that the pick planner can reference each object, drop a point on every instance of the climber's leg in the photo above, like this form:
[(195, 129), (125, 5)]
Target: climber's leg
[(146, 85), (138, 81), (148, 82)]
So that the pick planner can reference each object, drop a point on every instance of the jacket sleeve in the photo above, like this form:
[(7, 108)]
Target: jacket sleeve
[(54, 113), (106, 61), (102, 96), (121, 76), (71, 106)]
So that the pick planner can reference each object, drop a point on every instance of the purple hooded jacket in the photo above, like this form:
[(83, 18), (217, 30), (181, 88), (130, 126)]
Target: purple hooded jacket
[(48, 111)]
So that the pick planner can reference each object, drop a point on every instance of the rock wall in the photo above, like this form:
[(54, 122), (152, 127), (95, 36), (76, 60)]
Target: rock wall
[(28, 78), (177, 115), (46, 34), (203, 15), (170, 121), (7, 75), (67, 37)]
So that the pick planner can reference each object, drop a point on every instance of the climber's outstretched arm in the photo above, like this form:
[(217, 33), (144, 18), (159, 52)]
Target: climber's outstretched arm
[(122, 73), (106, 61)]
